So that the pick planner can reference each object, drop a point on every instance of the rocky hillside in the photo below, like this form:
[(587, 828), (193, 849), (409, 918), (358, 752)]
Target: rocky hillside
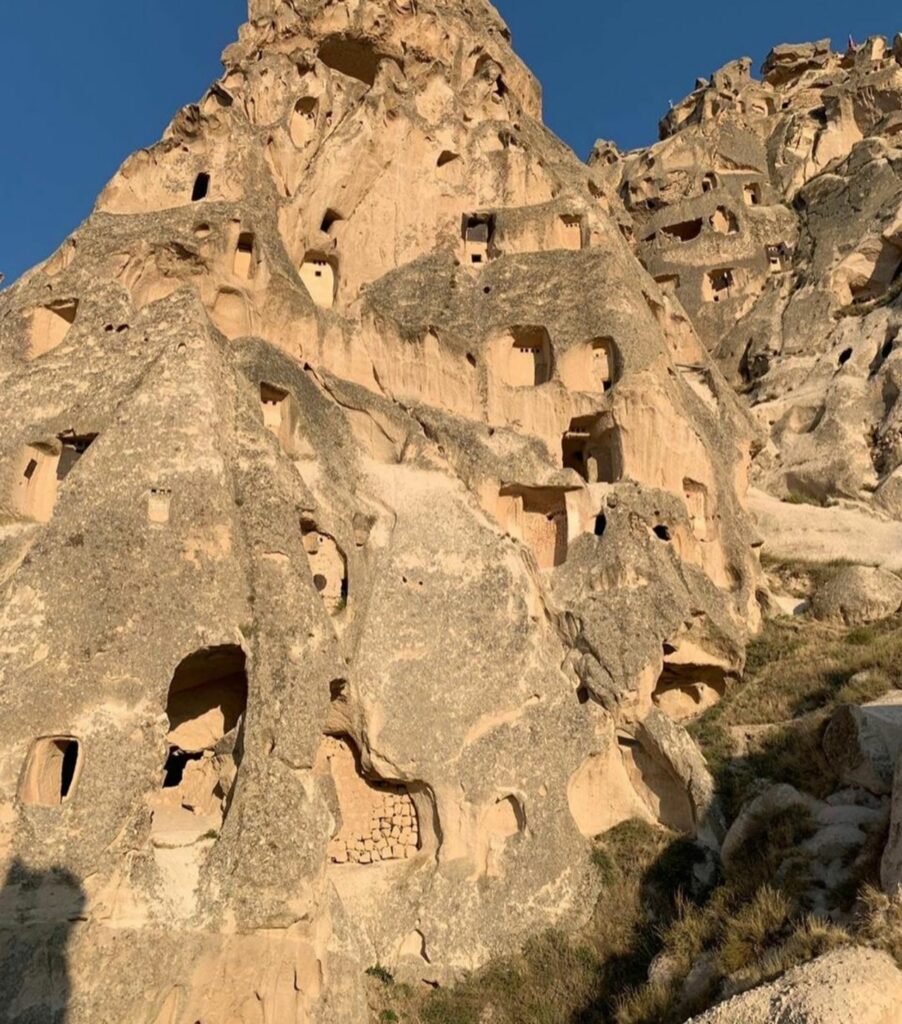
[(377, 562), (772, 209)]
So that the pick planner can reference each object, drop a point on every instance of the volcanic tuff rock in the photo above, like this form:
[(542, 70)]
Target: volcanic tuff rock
[(371, 522), (858, 594), (848, 984), (772, 211)]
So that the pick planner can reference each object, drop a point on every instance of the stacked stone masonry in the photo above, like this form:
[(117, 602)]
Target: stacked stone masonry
[(402, 466), (379, 820)]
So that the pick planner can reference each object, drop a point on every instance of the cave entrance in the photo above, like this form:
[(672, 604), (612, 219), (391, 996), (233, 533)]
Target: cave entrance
[(201, 187), (328, 566), (51, 771), (205, 707), (73, 447)]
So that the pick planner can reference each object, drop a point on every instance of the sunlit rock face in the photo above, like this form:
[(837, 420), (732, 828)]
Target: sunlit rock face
[(772, 211), (372, 524)]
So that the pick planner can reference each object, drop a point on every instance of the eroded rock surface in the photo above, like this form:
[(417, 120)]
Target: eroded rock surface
[(372, 524), (858, 594), (771, 211), (848, 984)]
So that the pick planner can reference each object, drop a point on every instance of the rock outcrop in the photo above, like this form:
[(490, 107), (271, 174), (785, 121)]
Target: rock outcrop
[(848, 984), (771, 211), (863, 743), (372, 523), (891, 864), (858, 594)]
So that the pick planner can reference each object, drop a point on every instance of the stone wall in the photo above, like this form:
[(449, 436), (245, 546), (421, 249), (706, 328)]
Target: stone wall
[(379, 820)]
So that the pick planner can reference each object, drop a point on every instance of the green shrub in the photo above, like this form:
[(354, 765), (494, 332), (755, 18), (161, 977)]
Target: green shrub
[(604, 865)]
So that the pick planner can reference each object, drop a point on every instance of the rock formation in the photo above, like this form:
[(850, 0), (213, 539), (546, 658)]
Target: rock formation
[(772, 211), (857, 984), (371, 523)]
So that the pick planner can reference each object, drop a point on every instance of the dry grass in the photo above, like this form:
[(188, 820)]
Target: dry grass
[(742, 925), (797, 667), (570, 980), (600, 976), (809, 938), (797, 673), (652, 1004), (880, 923), (753, 930), (749, 941), (754, 925)]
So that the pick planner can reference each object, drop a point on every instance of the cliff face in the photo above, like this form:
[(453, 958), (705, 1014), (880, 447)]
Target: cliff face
[(371, 521), (773, 210)]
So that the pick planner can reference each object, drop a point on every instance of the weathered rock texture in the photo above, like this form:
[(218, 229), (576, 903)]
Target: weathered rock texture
[(772, 211), (858, 594), (356, 480), (848, 984)]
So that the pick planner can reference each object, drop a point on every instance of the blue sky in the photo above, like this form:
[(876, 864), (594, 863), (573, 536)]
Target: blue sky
[(85, 84)]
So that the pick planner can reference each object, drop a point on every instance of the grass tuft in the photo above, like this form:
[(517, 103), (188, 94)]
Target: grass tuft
[(653, 918)]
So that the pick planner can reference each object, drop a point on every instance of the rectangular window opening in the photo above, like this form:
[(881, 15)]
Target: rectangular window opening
[(201, 187)]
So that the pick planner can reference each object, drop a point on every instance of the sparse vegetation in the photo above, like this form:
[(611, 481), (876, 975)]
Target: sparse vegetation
[(664, 916), (798, 672), (880, 922), (558, 979), (674, 944)]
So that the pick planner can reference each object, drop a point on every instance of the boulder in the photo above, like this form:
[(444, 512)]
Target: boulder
[(806, 532), (845, 985), (858, 594), (863, 743), (774, 800), (672, 746)]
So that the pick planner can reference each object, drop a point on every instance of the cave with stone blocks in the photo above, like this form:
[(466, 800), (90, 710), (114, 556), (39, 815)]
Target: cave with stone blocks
[(205, 709), (379, 820)]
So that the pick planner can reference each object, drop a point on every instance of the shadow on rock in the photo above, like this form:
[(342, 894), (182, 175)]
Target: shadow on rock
[(38, 910)]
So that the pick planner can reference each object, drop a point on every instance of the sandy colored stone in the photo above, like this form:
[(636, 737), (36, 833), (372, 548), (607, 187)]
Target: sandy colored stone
[(848, 984), (770, 209), (863, 744), (858, 594), (354, 379)]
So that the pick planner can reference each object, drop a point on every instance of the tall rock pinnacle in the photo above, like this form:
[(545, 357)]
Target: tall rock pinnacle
[(372, 521)]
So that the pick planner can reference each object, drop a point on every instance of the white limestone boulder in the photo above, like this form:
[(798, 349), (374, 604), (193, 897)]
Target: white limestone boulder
[(863, 743)]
